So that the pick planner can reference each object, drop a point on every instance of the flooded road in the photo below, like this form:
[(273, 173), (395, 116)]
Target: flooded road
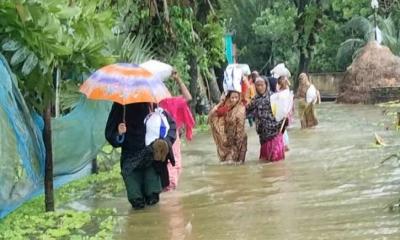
[(331, 186)]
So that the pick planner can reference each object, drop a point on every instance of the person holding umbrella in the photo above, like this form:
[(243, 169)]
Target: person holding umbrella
[(138, 165), (135, 93)]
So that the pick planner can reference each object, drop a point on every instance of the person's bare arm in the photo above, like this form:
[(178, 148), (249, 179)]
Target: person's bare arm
[(184, 91)]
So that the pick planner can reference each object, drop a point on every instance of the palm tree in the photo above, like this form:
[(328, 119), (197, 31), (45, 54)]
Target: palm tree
[(391, 35), (361, 30)]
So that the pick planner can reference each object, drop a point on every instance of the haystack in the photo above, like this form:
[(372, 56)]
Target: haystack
[(375, 67)]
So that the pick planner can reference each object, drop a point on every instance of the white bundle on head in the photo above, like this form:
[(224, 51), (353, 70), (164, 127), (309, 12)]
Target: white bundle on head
[(233, 78), (162, 70), (280, 70), (157, 126), (245, 69)]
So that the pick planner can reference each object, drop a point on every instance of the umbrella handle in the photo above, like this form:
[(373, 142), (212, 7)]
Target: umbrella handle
[(150, 107), (123, 114)]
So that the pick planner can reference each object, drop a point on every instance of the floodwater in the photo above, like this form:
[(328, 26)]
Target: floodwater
[(331, 186)]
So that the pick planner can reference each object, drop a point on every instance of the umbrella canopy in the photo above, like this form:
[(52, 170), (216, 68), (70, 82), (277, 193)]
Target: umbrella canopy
[(124, 83)]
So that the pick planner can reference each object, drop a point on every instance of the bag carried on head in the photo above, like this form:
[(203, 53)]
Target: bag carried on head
[(233, 77)]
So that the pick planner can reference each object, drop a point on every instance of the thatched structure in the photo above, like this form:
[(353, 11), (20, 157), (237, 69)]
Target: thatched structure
[(374, 68)]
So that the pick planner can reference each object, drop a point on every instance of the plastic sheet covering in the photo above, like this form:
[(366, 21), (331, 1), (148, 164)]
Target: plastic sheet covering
[(281, 104), (77, 138), (21, 145)]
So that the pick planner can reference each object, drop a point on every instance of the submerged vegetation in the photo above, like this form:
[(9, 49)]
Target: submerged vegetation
[(30, 221)]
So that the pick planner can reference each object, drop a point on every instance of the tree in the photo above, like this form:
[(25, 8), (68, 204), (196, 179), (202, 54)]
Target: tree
[(41, 38), (191, 40), (240, 16), (275, 26), (309, 24), (360, 30), (186, 34), (305, 15)]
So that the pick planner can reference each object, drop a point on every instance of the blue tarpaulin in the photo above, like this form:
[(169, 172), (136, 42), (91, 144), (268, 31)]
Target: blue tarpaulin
[(77, 138)]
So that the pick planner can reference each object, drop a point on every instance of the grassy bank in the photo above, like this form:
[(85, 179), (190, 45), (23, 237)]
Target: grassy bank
[(31, 222), (201, 124)]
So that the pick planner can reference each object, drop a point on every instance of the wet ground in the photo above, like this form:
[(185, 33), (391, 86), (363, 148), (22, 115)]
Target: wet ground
[(331, 186)]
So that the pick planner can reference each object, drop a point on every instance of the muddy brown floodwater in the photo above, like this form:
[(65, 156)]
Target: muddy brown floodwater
[(331, 186)]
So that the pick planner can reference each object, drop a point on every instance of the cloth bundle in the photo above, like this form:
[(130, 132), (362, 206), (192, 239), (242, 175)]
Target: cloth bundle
[(157, 126), (162, 70), (280, 70), (233, 78), (281, 104)]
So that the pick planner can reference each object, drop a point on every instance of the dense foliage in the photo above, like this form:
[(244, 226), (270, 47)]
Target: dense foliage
[(316, 36)]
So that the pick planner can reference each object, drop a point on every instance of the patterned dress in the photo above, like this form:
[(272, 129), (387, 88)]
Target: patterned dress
[(229, 132), (268, 129)]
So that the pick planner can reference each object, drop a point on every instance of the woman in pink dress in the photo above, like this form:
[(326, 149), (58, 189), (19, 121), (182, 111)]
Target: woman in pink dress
[(178, 108)]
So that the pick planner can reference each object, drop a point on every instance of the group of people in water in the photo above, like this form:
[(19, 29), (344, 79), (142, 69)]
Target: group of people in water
[(227, 119), (151, 167)]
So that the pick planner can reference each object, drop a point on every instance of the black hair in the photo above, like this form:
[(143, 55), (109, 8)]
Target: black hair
[(265, 81), (230, 92), (283, 82), (272, 84)]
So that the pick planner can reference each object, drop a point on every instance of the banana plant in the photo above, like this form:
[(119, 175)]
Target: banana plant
[(132, 49), (41, 36)]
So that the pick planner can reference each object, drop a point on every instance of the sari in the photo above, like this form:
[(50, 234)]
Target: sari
[(268, 129), (228, 130), (307, 114), (308, 96)]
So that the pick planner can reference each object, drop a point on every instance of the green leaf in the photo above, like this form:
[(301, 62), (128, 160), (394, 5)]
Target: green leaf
[(44, 67), (53, 25), (19, 56), (59, 50), (57, 232), (29, 64), (23, 12), (11, 45), (69, 12)]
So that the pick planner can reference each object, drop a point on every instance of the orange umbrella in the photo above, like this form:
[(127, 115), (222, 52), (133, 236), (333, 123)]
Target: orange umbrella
[(125, 83)]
